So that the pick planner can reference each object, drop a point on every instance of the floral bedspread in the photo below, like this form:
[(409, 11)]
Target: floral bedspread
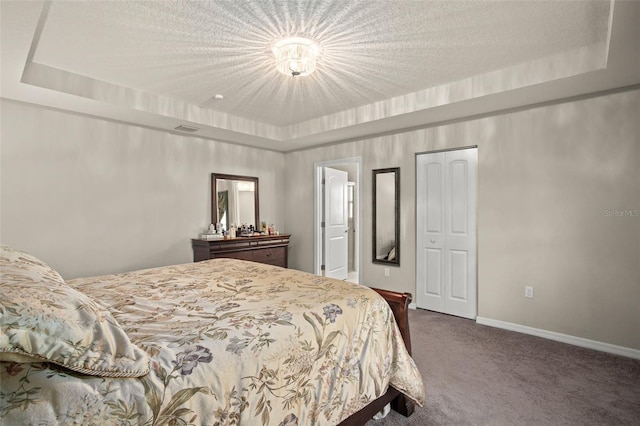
[(230, 342)]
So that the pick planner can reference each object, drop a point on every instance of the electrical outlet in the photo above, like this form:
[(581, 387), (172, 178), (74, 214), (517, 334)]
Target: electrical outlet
[(386, 272), (528, 292)]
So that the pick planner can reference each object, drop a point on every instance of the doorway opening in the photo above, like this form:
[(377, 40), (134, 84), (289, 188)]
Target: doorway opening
[(324, 253)]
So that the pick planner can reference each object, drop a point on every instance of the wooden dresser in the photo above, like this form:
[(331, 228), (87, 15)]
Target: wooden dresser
[(270, 249)]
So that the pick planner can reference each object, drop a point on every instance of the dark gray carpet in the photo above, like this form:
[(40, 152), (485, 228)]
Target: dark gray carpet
[(480, 375)]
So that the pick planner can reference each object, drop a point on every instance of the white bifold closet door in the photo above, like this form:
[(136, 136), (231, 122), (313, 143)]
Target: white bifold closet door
[(446, 240)]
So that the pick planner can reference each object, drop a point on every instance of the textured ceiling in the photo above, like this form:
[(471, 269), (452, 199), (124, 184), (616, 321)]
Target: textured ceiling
[(370, 50), (383, 65)]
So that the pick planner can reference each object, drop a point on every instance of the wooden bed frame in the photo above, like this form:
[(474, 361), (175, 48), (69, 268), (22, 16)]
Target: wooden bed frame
[(399, 303)]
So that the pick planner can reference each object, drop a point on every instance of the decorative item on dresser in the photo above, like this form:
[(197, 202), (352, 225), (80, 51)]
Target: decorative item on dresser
[(269, 249)]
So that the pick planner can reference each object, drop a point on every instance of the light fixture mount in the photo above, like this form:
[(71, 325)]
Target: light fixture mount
[(295, 56)]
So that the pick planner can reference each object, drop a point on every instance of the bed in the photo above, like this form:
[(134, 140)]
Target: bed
[(217, 342)]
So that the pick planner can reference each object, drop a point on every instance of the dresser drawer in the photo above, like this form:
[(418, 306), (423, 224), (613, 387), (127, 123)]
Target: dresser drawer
[(273, 256), (272, 250)]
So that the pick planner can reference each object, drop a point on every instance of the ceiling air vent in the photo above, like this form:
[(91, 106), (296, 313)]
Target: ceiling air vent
[(183, 128)]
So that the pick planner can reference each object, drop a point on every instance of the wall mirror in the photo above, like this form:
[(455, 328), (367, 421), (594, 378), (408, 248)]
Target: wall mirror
[(234, 200), (386, 216)]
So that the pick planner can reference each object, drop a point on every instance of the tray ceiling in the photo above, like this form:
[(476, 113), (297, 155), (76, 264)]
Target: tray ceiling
[(381, 63)]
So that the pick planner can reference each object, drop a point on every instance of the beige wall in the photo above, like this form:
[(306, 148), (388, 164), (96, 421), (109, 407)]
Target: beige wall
[(92, 197), (547, 176)]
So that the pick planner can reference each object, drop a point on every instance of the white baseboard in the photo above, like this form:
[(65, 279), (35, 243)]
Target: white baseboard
[(564, 338), (412, 306)]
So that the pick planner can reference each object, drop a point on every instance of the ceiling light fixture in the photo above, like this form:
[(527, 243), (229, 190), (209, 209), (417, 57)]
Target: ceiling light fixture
[(295, 56)]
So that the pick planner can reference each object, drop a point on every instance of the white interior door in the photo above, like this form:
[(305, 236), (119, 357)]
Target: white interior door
[(336, 223), (446, 251)]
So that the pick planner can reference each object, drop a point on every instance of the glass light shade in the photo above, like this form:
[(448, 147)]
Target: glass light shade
[(295, 56)]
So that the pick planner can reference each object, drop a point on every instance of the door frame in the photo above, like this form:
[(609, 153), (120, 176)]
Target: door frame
[(415, 162), (317, 212)]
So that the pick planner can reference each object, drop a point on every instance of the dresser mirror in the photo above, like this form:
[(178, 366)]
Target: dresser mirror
[(386, 216), (234, 200)]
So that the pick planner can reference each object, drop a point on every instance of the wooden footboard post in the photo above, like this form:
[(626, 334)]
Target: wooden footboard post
[(403, 405), (399, 303)]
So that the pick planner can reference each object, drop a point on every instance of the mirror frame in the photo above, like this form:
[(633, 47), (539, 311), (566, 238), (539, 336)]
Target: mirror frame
[(214, 195), (396, 173)]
